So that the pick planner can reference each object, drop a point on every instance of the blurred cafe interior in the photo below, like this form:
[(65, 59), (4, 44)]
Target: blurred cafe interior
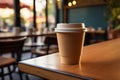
[(30, 26)]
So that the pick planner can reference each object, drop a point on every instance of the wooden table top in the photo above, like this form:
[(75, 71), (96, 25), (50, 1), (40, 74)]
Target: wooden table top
[(22, 34), (99, 61), (97, 31)]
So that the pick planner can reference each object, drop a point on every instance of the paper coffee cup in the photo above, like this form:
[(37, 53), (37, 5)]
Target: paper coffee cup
[(70, 41)]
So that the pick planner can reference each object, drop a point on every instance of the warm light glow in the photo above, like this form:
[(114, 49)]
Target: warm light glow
[(58, 0), (50, 1), (69, 4), (59, 4), (28, 2), (74, 2), (26, 13), (40, 4), (6, 12)]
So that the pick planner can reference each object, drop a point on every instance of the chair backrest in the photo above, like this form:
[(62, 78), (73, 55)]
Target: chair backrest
[(12, 46), (116, 33), (113, 33), (50, 41)]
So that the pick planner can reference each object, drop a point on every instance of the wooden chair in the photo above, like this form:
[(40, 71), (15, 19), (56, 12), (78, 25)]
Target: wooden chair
[(112, 34), (13, 46), (50, 46), (116, 33)]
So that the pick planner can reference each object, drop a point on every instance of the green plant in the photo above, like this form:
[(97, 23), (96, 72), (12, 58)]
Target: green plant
[(113, 13)]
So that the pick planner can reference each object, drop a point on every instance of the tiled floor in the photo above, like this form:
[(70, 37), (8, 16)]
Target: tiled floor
[(16, 75)]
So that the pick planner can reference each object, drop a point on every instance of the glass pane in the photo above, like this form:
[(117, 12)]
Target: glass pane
[(51, 14)]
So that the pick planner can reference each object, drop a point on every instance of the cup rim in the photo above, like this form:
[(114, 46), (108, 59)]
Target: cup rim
[(70, 29)]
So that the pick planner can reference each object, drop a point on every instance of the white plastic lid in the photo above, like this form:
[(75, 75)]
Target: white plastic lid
[(71, 27)]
